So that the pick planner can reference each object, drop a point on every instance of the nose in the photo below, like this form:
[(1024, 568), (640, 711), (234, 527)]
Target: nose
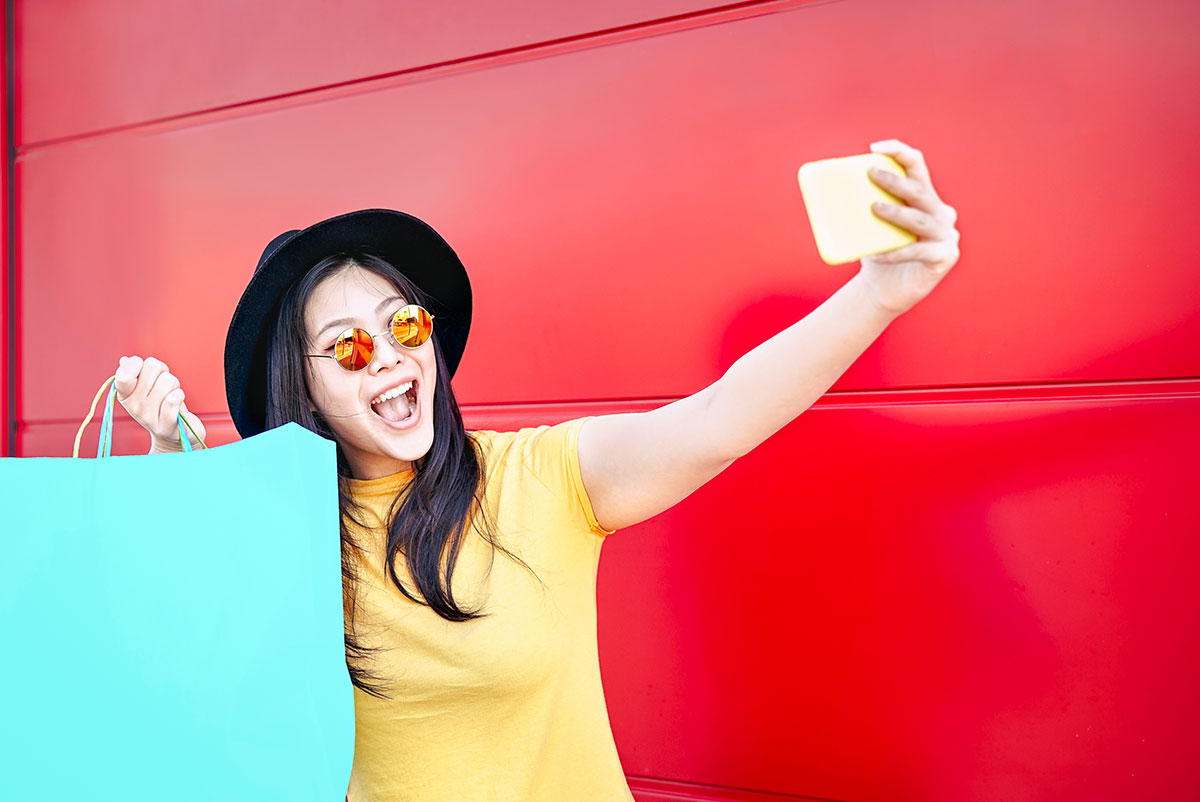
[(387, 353)]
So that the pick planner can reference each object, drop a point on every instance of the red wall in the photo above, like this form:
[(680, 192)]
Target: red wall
[(967, 573), (6, 273)]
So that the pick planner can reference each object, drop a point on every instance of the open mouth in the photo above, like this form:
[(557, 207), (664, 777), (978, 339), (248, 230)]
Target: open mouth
[(397, 405)]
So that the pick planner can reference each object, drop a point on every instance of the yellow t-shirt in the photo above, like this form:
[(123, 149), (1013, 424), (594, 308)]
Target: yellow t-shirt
[(506, 708)]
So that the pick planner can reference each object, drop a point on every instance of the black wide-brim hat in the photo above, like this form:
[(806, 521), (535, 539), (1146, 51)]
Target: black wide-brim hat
[(415, 249)]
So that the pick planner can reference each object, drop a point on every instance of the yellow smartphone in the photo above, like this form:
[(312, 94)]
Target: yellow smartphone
[(838, 195)]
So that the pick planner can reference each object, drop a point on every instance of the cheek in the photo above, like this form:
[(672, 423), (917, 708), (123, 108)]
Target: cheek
[(310, 382), (331, 396), (431, 373)]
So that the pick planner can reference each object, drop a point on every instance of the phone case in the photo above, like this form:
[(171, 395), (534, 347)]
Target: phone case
[(838, 195)]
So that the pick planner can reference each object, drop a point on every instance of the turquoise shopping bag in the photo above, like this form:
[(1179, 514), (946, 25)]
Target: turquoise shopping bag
[(172, 625)]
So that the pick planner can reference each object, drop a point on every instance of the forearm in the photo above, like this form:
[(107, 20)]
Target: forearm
[(775, 382)]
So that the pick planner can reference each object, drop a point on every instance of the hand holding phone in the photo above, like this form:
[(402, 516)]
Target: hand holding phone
[(838, 195)]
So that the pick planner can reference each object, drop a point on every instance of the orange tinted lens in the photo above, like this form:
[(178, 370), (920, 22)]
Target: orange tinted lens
[(412, 326), (353, 349)]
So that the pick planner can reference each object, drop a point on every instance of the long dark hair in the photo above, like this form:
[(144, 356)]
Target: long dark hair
[(431, 514)]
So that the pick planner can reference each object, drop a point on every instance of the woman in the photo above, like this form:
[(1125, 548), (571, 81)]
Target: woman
[(476, 677)]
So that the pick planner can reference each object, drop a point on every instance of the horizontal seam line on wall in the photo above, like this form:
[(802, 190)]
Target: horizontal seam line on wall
[(685, 790), (494, 58), (1115, 390)]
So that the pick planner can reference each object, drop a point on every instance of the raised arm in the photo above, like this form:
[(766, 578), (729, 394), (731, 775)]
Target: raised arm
[(636, 465)]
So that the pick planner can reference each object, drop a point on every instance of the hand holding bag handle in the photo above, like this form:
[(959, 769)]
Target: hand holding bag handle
[(104, 446)]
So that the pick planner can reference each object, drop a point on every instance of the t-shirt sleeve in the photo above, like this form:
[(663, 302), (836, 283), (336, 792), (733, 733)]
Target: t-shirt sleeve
[(552, 453)]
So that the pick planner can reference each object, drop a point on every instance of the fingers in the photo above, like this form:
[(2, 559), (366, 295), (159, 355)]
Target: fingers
[(926, 215), (138, 377), (911, 159), (152, 395), (911, 219), (126, 376), (910, 190), (166, 387), (934, 253)]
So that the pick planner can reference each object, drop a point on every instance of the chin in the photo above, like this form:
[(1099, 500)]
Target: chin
[(413, 444), (417, 450)]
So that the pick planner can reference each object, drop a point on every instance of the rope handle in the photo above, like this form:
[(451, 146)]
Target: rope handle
[(104, 447)]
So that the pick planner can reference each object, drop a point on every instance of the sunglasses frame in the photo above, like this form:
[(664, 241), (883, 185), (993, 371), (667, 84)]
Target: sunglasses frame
[(390, 331)]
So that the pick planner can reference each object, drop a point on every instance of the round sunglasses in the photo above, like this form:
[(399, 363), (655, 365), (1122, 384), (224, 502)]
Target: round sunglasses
[(411, 327)]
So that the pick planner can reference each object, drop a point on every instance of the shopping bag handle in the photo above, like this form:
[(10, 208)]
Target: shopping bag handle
[(104, 447)]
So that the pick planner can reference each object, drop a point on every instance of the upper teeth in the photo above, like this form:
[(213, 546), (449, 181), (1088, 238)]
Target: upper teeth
[(392, 393)]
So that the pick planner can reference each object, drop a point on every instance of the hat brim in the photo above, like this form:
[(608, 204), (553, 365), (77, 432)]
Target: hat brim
[(411, 245)]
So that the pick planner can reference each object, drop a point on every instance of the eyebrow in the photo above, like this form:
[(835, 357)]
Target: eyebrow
[(345, 321)]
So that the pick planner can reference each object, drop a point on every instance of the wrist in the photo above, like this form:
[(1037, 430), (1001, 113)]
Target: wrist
[(158, 446), (866, 293)]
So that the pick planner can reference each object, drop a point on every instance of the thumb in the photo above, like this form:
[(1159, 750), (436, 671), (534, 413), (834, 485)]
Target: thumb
[(126, 376)]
